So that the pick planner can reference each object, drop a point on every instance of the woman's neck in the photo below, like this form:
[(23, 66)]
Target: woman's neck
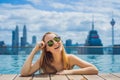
[(57, 57)]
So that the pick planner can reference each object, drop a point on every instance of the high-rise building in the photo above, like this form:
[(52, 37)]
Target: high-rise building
[(17, 36), (3, 48), (25, 34), (92, 42), (2, 43), (34, 40), (15, 40), (68, 42), (22, 42), (68, 45), (24, 38)]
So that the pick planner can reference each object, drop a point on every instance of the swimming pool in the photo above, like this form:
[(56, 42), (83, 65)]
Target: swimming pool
[(11, 64)]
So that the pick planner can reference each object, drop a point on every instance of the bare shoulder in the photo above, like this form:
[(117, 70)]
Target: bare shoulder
[(72, 57), (75, 60)]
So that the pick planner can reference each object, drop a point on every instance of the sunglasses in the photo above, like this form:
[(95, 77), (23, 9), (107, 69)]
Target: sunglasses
[(51, 42)]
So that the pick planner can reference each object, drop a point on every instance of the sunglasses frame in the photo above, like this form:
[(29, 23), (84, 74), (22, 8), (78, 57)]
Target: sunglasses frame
[(50, 43)]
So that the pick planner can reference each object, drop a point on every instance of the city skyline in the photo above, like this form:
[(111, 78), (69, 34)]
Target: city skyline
[(74, 19)]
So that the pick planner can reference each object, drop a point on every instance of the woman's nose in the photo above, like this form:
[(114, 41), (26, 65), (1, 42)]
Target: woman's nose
[(54, 41)]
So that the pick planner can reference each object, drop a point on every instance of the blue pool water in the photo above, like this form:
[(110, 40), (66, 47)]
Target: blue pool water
[(11, 64)]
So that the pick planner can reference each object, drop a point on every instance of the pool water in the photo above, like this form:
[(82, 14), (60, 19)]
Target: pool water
[(11, 64)]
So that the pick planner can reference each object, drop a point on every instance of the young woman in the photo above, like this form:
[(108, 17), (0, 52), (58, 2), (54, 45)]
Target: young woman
[(54, 59)]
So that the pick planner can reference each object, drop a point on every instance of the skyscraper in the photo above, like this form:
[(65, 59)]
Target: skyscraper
[(93, 37), (68, 45), (24, 38), (3, 48), (17, 36), (25, 34), (33, 40), (93, 40), (15, 40), (68, 42)]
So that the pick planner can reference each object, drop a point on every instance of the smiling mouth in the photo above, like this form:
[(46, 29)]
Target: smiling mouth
[(57, 47)]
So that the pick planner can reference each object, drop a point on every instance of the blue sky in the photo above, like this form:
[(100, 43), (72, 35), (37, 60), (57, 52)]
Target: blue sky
[(71, 19)]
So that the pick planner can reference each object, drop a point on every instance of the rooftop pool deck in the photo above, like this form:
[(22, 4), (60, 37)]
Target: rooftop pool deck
[(107, 76)]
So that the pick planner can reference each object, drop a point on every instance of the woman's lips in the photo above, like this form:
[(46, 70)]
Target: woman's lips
[(57, 47)]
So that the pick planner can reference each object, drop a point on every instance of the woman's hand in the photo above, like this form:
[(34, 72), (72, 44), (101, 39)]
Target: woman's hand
[(65, 72), (40, 45)]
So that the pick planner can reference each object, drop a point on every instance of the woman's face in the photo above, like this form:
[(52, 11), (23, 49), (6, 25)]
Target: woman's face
[(53, 43)]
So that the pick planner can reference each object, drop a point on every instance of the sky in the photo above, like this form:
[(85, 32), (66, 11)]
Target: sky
[(71, 19)]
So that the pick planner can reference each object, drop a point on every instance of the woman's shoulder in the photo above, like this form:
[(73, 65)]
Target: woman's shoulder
[(72, 57)]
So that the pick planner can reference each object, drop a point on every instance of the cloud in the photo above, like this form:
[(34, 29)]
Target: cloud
[(71, 20), (57, 5)]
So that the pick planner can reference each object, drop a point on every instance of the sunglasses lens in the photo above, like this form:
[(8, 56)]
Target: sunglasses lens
[(50, 43), (57, 39)]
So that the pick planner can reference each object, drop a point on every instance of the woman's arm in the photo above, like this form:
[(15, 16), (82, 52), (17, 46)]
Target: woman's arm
[(29, 68), (85, 67)]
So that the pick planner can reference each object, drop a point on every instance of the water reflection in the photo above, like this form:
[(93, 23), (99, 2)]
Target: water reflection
[(105, 63), (113, 59), (91, 57)]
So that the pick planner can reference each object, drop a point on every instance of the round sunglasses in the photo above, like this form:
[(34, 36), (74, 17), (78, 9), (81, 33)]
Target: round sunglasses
[(51, 42)]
